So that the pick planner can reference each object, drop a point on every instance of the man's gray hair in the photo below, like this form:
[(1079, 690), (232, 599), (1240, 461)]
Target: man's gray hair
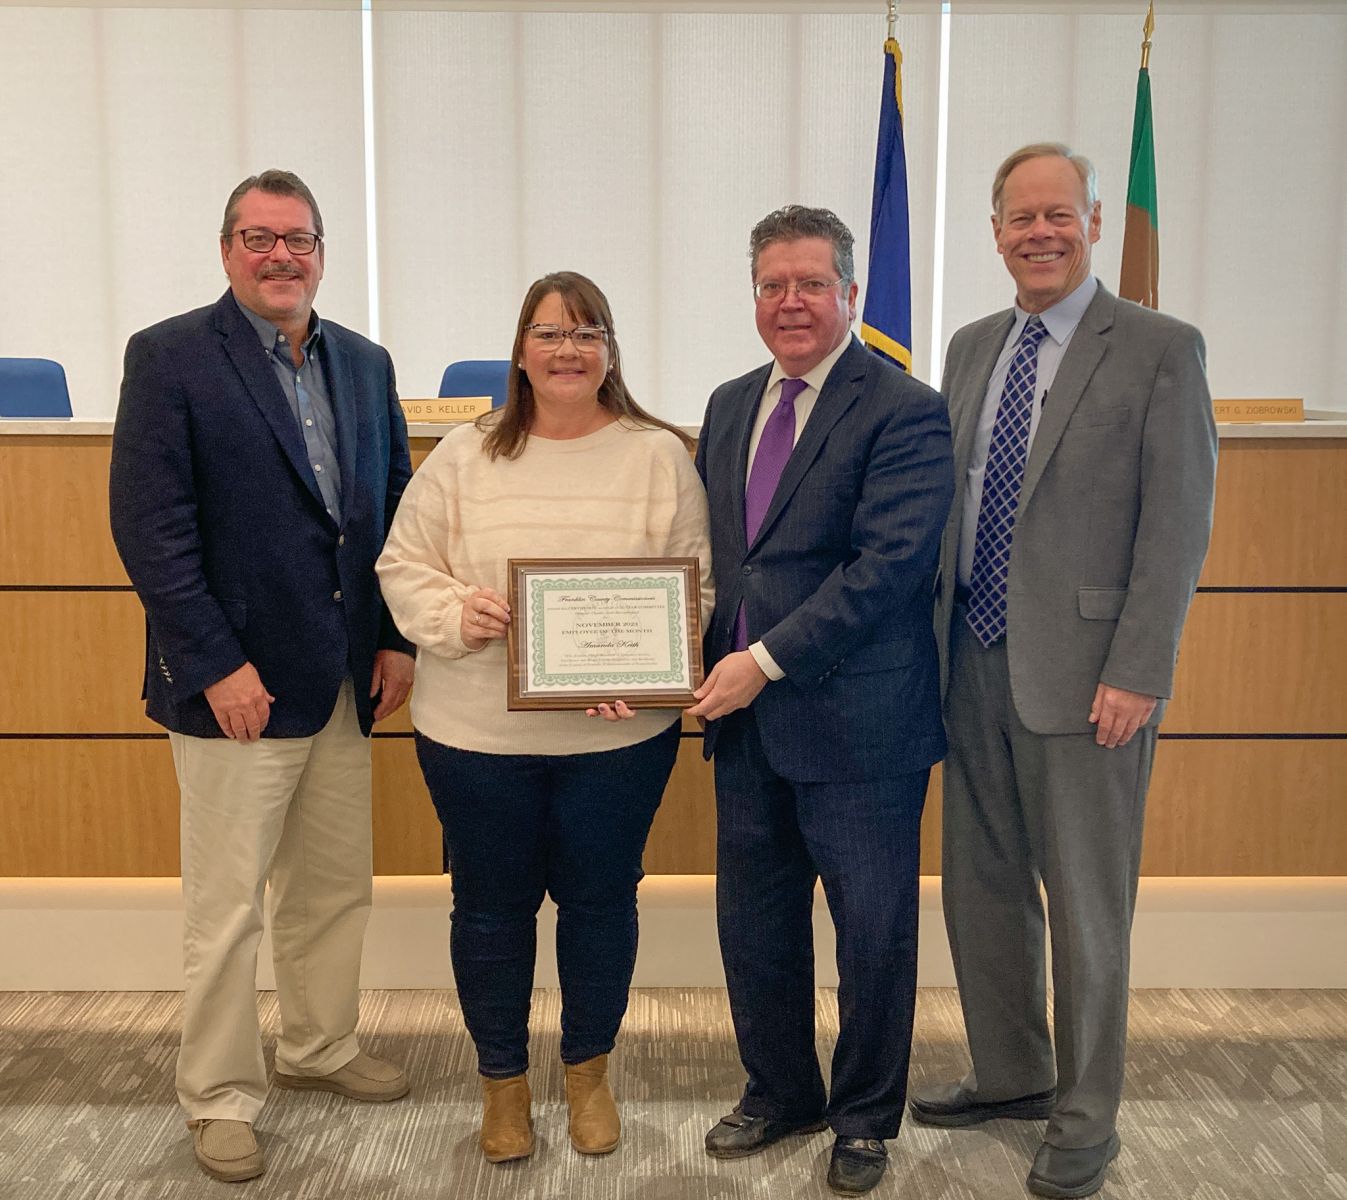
[(275, 183), (1084, 168), (794, 222)]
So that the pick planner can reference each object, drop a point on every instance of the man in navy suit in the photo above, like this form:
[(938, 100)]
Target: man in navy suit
[(257, 460), (829, 478)]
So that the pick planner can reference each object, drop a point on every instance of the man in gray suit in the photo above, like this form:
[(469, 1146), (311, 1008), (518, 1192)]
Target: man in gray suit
[(1085, 453)]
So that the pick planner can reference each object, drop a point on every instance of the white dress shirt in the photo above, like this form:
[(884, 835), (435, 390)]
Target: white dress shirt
[(804, 405)]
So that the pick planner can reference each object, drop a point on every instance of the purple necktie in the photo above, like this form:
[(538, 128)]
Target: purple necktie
[(774, 447)]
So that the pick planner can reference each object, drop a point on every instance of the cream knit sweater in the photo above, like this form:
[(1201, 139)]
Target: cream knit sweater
[(621, 492)]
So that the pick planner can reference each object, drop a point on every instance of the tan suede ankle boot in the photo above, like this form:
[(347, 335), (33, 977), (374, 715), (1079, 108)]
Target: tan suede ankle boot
[(507, 1123), (595, 1127)]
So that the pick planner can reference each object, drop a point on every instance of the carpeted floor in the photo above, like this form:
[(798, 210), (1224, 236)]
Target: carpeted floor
[(1230, 1096)]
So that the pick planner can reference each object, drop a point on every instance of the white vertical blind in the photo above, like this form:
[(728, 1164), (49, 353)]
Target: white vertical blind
[(124, 132), (639, 145), (1251, 137), (637, 148), (1256, 176)]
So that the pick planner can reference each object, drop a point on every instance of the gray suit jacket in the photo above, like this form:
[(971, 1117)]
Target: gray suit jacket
[(1115, 512)]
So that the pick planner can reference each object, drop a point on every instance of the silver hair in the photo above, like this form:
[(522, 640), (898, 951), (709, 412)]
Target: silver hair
[(1084, 168)]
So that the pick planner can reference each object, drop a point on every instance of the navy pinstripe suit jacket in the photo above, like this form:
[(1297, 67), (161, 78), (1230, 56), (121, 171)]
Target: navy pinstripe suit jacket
[(839, 581)]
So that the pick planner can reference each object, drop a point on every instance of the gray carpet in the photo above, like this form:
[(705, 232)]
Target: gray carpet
[(1230, 1096)]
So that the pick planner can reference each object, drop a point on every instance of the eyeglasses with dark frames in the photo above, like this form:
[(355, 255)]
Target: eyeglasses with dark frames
[(260, 241)]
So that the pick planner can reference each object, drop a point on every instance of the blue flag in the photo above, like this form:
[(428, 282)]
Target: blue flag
[(886, 323)]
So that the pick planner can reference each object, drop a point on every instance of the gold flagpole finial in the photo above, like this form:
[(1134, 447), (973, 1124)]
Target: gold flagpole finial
[(1147, 30), (893, 18)]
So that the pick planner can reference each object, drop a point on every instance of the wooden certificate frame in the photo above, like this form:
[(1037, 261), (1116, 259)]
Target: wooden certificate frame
[(590, 631)]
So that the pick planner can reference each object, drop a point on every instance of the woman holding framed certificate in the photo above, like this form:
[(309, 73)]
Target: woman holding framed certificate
[(547, 801)]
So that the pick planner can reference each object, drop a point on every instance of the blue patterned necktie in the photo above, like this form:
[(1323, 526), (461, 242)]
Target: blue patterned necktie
[(1001, 482), (774, 447)]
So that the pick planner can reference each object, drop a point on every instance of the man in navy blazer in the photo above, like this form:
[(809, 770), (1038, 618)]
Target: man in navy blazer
[(257, 460), (829, 478)]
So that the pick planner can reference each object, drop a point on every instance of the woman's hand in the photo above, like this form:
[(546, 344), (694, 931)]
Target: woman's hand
[(612, 712), (486, 615)]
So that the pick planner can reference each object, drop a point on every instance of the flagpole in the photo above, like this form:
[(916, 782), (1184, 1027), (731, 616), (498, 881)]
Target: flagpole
[(1146, 31), (1139, 278), (886, 319)]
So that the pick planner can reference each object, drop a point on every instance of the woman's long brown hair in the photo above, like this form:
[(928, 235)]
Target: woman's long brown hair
[(507, 428)]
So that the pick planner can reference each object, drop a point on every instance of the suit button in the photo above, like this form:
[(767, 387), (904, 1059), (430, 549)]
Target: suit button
[(337, 594), (341, 539), (748, 570)]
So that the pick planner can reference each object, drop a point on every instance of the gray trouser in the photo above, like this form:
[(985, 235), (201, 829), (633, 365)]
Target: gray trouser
[(1021, 807)]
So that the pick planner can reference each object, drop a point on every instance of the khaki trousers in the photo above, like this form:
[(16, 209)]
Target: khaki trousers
[(296, 812)]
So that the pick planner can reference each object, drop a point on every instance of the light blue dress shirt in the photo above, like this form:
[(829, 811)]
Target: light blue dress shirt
[(306, 391), (1061, 321)]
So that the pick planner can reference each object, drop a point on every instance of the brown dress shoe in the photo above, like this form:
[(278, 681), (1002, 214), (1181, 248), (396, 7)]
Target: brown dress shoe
[(226, 1150), (595, 1127), (363, 1078), (507, 1122)]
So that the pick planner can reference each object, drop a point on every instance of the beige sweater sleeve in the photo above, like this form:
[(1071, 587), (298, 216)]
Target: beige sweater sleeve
[(414, 575)]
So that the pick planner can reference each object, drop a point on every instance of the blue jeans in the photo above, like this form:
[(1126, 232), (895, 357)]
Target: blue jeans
[(521, 826)]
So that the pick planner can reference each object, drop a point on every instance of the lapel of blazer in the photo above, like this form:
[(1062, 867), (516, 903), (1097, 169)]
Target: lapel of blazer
[(250, 360), (341, 388), (741, 431), (840, 391), (967, 392), (1082, 356), (967, 399)]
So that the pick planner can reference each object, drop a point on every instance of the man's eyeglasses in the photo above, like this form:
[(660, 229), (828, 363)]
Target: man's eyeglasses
[(808, 289), (583, 337), (260, 241)]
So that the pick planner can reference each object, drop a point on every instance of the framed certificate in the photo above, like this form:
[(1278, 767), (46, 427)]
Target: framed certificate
[(588, 631)]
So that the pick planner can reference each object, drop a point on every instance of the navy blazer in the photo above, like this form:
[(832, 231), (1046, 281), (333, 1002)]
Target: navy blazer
[(839, 582), (219, 521)]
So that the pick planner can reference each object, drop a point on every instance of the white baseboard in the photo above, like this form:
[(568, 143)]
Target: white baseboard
[(125, 934)]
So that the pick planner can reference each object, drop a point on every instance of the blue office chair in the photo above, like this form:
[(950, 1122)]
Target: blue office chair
[(477, 377), (33, 387)]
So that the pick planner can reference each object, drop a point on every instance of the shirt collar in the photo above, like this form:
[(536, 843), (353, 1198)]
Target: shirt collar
[(1062, 318), (815, 378), (269, 333)]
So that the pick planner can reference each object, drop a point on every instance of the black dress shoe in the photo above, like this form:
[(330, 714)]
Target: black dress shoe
[(952, 1106), (738, 1135), (857, 1165), (1070, 1174)]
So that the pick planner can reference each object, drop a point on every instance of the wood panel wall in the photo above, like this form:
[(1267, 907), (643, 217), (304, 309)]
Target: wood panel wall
[(1248, 781)]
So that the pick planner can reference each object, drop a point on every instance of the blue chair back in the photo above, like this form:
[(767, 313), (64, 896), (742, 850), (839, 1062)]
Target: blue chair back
[(477, 377), (33, 387)]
